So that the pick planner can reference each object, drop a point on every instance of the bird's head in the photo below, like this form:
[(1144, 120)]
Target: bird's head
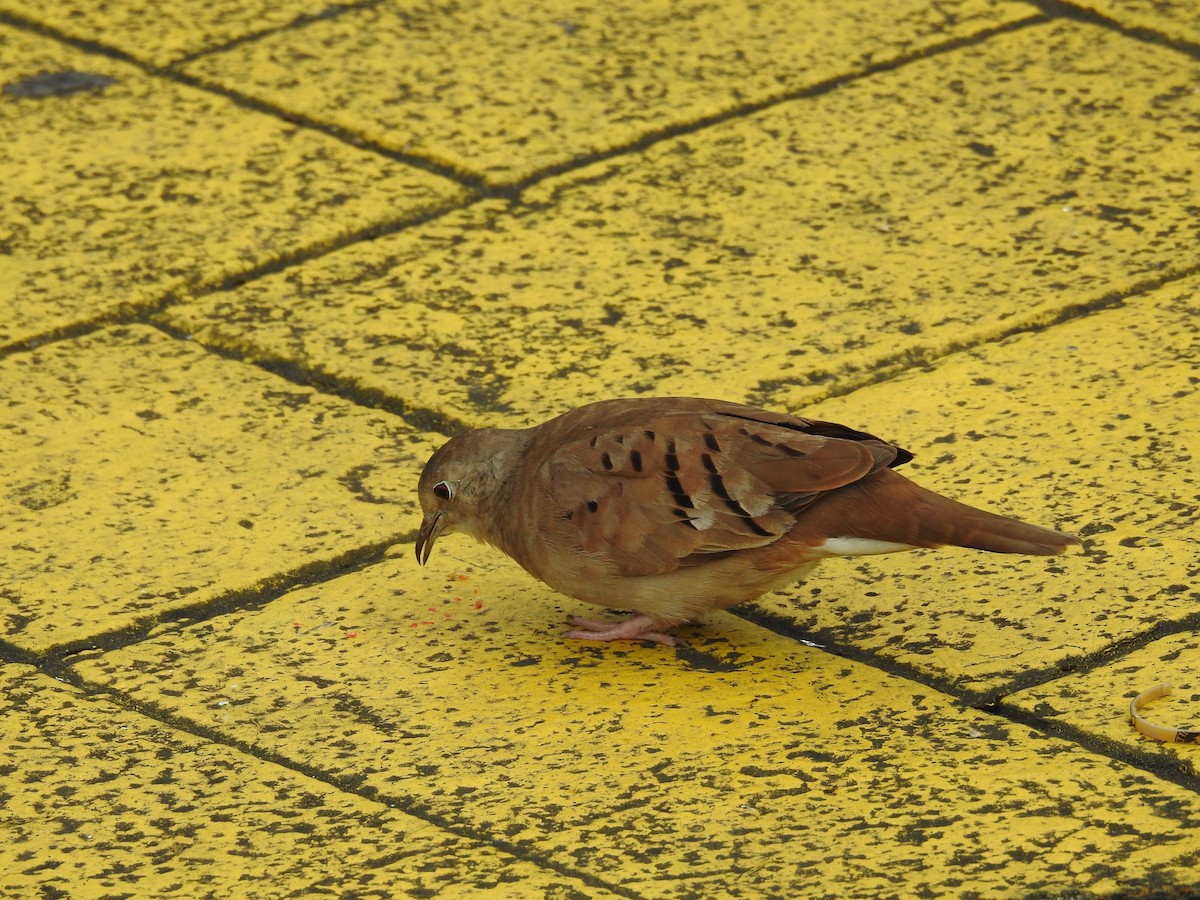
[(460, 485)]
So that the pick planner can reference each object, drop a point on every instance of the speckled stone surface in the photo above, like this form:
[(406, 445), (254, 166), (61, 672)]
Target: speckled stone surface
[(100, 801), (504, 92), (160, 34), (744, 764), (1096, 702), (1087, 427), (143, 475), (805, 249), (121, 189), (1175, 20), (255, 264)]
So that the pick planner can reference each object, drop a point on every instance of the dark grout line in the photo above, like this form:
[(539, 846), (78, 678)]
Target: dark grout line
[(480, 190), (1177, 770), (143, 313), (1049, 10), (1068, 665), (511, 190), (371, 232), (469, 180), (440, 423), (22, 23), (477, 186), (888, 367), (884, 370), (369, 398), (333, 11), (745, 110), (148, 313), (72, 331), (347, 784), (827, 642), (57, 660), (1061, 9), (1082, 664), (170, 73)]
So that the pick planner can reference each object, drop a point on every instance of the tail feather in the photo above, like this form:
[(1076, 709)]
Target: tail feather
[(886, 506), (1001, 534)]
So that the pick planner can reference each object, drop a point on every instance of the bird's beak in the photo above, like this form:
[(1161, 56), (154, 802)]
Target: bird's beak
[(431, 527)]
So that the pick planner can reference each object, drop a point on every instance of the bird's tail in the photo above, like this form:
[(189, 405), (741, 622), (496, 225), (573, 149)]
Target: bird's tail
[(887, 507)]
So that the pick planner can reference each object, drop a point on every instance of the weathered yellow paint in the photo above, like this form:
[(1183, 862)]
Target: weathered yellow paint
[(837, 241), (1173, 19), (101, 801), (118, 195), (744, 763), (1097, 701), (1091, 427), (143, 475), (162, 33), (506, 91), (815, 246)]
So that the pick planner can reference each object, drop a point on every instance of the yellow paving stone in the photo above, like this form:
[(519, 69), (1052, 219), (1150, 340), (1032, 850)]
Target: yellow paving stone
[(745, 765), (101, 802), (506, 91), (143, 475), (809, 248), (1173, 19), (133, 188), (162, 33), (1090, 426), (1097, 701)]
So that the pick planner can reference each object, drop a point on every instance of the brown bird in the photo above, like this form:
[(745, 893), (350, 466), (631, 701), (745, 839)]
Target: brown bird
[(672, 506)]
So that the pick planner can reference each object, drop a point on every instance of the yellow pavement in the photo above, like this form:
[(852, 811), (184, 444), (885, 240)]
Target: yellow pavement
[(259, 259)]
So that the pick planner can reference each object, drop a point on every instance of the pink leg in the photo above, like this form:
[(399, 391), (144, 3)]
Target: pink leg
[(635, 628)]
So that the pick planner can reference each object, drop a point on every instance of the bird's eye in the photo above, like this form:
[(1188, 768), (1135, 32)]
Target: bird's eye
[(442, 491)]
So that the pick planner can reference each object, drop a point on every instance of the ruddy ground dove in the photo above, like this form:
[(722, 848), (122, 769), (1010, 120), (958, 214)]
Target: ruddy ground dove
[(674, 506)]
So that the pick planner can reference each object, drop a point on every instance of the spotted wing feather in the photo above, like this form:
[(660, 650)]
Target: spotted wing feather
[(687, 488)]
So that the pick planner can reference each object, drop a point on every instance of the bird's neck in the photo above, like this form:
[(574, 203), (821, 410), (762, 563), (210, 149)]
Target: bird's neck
[(497, 519)]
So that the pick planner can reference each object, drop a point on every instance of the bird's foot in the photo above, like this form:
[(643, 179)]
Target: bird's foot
[(635, 628)]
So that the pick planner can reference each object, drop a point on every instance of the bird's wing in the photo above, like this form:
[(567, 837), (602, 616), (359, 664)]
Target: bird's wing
[(649, 493)]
